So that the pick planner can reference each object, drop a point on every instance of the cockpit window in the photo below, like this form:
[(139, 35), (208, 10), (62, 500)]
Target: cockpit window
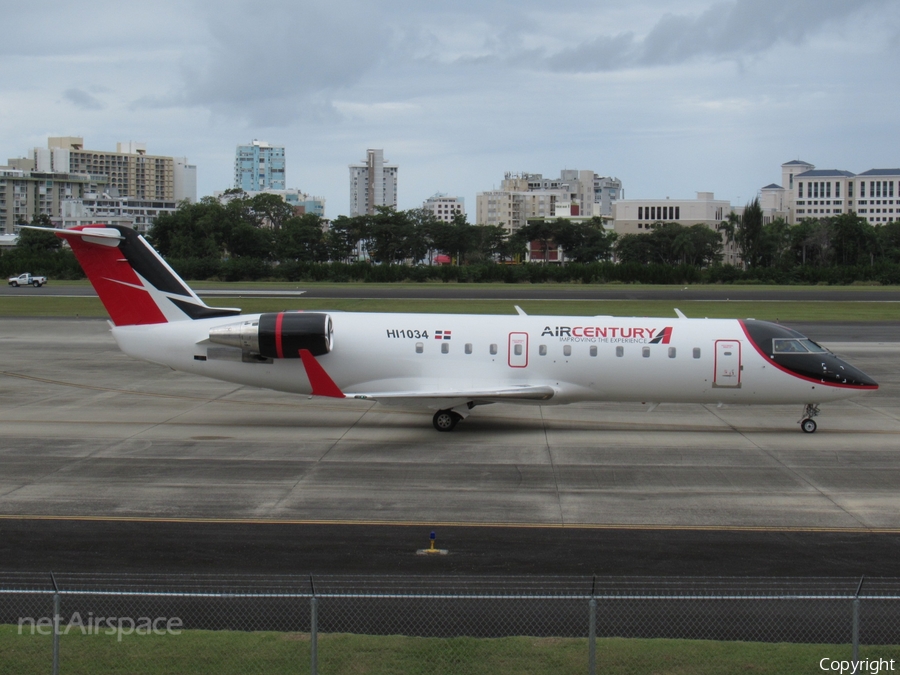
[(813, 347), (784, 346)]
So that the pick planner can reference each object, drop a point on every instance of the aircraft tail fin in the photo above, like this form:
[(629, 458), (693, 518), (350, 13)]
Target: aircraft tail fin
[(133, 281)]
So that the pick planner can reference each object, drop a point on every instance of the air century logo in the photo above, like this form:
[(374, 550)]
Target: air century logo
[(651, 336), (663, 337)]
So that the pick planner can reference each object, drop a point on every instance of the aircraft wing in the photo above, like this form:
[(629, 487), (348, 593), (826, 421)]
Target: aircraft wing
[(449, 398), (323, 385)]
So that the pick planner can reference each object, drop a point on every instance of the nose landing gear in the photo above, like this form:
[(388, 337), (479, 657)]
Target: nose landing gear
[(807, 423)]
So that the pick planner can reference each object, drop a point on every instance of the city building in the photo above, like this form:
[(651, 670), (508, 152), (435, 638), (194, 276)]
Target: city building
[(444, 207), (526, 196), (637, 216), (372, 183), (130, 171), (259, 166), (185, 180), (138, 214), (807, 192), (26, 193), (302, 202)]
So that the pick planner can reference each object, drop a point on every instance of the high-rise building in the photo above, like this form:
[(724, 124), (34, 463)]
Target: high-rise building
[(25, 193), (259, 166), (372, 183), (131, 172), (444, 207)]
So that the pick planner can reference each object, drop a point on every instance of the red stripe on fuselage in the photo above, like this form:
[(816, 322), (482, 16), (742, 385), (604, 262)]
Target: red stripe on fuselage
[(801, 377)]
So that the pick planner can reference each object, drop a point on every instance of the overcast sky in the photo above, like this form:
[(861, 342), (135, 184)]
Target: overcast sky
[(670, 97)]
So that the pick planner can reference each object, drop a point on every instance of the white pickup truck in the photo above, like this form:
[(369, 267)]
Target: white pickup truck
[(27, 279)]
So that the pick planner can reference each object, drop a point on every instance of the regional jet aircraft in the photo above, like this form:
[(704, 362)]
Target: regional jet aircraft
[(452, 363)]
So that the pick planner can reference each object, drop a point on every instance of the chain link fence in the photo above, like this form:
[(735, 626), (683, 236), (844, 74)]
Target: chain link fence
[(77, 623)]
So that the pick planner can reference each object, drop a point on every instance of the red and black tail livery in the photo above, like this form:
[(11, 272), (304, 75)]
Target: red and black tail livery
[(134, 283)]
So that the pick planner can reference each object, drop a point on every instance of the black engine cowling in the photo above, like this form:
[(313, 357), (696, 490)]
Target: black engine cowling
[(278, 335), (283, 334)]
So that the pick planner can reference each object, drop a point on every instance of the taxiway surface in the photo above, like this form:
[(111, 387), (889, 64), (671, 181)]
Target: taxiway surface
[(123, 447)]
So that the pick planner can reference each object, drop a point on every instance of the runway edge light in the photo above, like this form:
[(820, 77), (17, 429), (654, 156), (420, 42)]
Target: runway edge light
[(432, 550)]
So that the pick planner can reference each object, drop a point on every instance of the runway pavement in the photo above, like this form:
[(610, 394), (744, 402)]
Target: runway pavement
[(511, 292), (159, 469)]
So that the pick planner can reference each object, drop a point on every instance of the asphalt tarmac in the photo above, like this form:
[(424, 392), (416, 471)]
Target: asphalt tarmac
[(109, 464)]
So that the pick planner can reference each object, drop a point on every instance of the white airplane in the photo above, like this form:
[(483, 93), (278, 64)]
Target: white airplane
[(452, 363)]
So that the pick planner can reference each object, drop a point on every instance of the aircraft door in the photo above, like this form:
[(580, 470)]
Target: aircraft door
[(728, 364), (518, 350)]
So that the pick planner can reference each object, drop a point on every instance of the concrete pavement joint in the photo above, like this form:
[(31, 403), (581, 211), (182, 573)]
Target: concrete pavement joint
[(799, 476)]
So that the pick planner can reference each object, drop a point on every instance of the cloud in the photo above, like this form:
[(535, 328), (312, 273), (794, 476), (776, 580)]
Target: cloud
[(82, 99), (277, 62), (725, 30)]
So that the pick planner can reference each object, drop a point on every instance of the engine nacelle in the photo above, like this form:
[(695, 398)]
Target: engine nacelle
[(279, 335)]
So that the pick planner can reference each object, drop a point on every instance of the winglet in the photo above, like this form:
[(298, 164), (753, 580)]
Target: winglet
[(322, 384)]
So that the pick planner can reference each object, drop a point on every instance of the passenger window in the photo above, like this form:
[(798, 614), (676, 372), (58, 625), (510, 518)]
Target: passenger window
[(468, 348), (419, 347), (445, 348), (645, 352), (696, 352), (493, 349), (593, 350), (517, 350), (671, 352), (542, 350), (567, 350), (620, 351)]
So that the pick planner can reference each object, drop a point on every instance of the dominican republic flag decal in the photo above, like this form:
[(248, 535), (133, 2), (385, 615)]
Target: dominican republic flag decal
[(442, 335), (662, 337)]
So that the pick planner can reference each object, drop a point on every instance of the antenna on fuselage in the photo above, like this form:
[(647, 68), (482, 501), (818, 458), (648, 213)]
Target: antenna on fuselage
[(680, 313), (520, 311)]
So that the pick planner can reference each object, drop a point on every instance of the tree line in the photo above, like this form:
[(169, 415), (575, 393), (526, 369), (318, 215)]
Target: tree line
[(244, 238), (265, 228)]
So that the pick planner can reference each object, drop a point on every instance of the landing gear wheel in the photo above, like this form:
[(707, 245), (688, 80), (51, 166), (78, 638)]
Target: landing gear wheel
[(807, 424), (446, 420)]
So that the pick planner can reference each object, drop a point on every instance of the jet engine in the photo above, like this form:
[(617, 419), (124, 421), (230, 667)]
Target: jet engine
[(279, 335)]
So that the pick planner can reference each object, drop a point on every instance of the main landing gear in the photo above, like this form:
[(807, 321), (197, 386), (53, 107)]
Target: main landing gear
[(807, 423), (446, 420)]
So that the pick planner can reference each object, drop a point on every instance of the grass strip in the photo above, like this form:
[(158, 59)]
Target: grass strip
[(526, 289), (90, 307), (198, 651)]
